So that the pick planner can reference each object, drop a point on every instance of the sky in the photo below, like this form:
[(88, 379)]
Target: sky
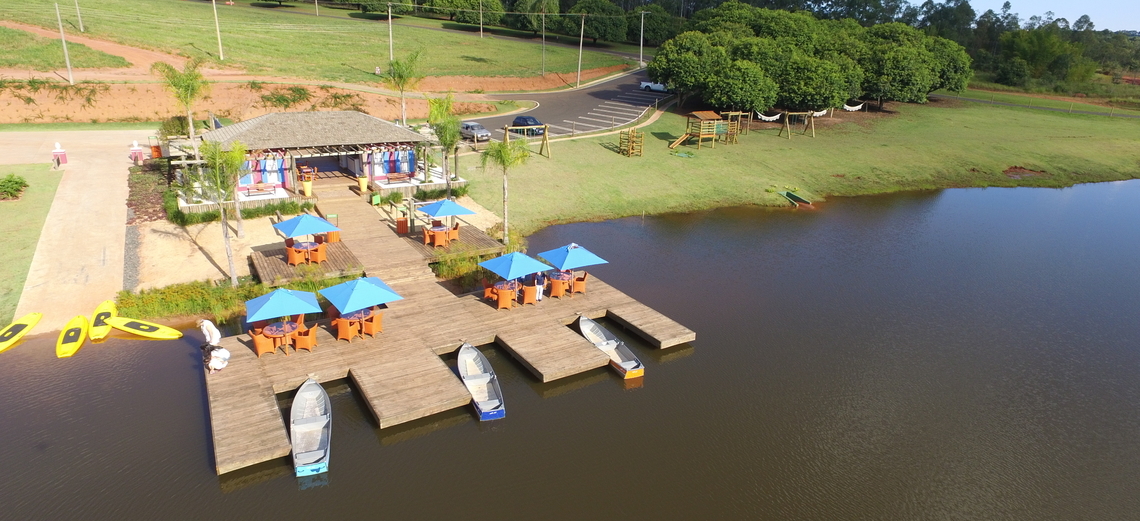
[(1114, 15)]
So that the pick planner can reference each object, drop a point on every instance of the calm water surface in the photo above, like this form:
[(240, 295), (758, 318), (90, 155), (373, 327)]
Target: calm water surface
[(967, 354)]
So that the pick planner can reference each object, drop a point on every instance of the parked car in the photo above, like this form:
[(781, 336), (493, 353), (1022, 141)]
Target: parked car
[(527, 121), (474, 131), (656, 87)]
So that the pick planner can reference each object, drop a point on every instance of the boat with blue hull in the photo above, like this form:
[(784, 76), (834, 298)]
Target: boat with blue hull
[(480, 379), (310, 427)]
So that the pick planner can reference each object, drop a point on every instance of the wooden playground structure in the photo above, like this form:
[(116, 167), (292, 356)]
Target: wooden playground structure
[(543, 148), (630, 142), (808, 119), (706, 124)]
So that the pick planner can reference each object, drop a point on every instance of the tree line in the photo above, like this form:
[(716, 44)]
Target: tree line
[(744, 57)]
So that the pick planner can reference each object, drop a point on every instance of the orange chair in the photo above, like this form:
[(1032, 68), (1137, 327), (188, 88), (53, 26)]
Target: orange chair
[(427, 236), (580, 284), (289, 242), (557, 288), (261, 343), (346, 330), (294, 257), (440, 238), (373, 324), (332, 312), (319, 254), (453, 233), (488, 290), (529, 293), (435, 223), (334, 237), (259, 325), (319, 239), (305, 339), (505, 298)]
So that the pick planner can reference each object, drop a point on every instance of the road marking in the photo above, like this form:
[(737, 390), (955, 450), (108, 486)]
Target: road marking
[(620, 112), (579, 123), (639, 95), (622, 105), (612, 123)]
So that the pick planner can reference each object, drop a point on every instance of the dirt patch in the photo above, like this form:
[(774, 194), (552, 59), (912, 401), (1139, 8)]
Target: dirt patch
[(237, 101), (1020, 172), (146, 184), (477, 84)]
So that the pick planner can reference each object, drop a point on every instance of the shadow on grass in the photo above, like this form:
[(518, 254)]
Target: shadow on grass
[(611, 146), (372, 16), (269, 4), (664, 136), (474, 59)]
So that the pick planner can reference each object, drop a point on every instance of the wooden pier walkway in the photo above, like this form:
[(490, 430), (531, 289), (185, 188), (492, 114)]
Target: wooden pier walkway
[(273, 270), (400, 373)]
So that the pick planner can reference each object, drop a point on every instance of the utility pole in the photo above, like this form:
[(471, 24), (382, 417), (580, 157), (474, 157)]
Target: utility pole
[(581, 35), (66, 58), (218, 29), (641, 41), (543, 38), (480, 18), (80, 16), (315, 5), (391, 55)]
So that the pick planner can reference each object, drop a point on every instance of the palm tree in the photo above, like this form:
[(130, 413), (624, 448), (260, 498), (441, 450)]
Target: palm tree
[(187, 86), (403, 75), (446, 128), (218, 182), (506, 154)]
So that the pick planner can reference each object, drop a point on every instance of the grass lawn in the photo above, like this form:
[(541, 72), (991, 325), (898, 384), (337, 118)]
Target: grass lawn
[(939, 145), (45, 127), (24, 219), (23, 50), (263, 41), (1037, 101)]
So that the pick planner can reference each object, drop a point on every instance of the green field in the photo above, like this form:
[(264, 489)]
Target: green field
[(940, 145), (45, 127), (262, 41), (1028, 100), (24, 219), (23, 50)]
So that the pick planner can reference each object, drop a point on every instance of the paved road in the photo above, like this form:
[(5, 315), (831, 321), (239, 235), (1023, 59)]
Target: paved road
[(598, 107)]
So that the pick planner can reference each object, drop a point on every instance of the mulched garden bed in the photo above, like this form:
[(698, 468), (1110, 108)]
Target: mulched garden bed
[(146, 184)]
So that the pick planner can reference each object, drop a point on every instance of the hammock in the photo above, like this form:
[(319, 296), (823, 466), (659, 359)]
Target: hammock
[(856, 108), (819, 114), (769, 118)]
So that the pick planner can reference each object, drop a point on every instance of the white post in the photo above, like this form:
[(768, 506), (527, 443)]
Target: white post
[(480, 18), (581, 34), (641, 42), (218, 29), (544, 39), (391, 55), (80, 16), (315, 5), (63, 39)]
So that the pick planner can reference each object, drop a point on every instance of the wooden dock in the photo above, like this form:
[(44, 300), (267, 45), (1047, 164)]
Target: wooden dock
[(273, 270), (400, 373), (471, 241)]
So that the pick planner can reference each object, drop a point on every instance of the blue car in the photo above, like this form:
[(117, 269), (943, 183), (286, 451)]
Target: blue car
[(527, 121)]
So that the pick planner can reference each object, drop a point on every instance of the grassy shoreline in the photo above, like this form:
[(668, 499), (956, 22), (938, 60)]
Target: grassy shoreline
[(945, 144), (25, 219)]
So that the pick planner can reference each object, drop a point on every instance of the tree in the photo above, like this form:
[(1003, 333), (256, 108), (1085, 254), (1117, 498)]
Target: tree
[(743, 85), (445, 124), (506, 155), (217, 182), (492, 12), (809, 83), (531, 15), (403, 75), (659, 25), (604, 20), (686, 63), (951, 65), (900, 73), (188, 86)]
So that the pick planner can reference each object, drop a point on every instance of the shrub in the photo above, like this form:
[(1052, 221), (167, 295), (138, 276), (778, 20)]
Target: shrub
[(12, 186), (177, 216)]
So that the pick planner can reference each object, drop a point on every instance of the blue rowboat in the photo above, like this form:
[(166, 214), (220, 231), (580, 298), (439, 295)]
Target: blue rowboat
[(482, 383), (310, 427)]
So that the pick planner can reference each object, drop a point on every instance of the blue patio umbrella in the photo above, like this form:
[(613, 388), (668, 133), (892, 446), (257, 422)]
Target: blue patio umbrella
[(571, 256), (444, 208), (305, 224), (514, 265), (280, 302), (358, 294)]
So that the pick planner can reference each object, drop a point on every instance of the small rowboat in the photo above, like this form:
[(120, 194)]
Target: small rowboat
[(621, 358), (482, 383), (310, 426)]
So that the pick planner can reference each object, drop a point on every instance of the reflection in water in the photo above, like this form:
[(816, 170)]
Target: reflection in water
[(633, 383), (261, 473), (562, 386), (664, 356), (314, 481), (424, 426)]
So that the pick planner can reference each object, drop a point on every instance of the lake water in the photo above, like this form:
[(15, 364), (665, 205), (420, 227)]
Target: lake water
[(964, 354)]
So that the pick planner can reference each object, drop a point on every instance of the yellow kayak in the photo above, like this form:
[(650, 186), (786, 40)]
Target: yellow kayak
[(12, 334), (99, 326), (144, 328), (72, 337)]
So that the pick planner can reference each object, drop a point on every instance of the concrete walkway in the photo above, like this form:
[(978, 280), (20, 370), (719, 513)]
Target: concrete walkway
[(79, 258)]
